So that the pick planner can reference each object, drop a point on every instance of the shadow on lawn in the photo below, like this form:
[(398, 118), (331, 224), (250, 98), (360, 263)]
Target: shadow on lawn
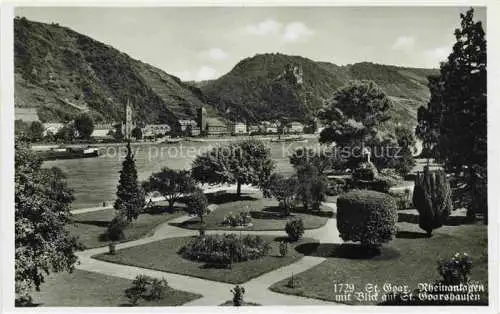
[(159, 210), (223, 198), (347, 251), (276, 210), (411, 235), (97, 223), (413, 219)]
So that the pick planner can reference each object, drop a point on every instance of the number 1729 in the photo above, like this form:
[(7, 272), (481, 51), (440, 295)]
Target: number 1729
[(343, 288)]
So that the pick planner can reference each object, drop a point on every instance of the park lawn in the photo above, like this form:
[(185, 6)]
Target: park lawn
[(83, 288), (416, 263), (162, 255), (89, 227), (264, 212)]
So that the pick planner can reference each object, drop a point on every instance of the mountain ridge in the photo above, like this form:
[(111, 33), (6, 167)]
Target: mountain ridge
[(61, 72)]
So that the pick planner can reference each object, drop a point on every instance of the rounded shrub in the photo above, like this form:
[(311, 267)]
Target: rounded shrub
[(295, 229), (367, 216)]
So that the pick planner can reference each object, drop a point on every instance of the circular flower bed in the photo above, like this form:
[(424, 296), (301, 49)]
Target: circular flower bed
[(225, 249)]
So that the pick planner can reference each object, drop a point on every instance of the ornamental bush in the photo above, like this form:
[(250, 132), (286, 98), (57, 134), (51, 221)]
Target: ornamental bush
[(225, 249), (295, 229), (367, 216), (432, 198), (236, 220), (146, 288)]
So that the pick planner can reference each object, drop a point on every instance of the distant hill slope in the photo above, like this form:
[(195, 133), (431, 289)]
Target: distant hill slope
[(61, 72), (272, 86)]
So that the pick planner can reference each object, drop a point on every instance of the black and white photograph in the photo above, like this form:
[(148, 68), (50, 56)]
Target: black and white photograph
[(177, 156)]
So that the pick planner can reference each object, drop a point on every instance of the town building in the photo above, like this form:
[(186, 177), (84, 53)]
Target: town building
[(195, 131), (154, 130), (252, 129), (186, 125), (202, 119), (52, 128), (128, 125), (295, 127), (269, 127), (239, 128), (217, 127), (102, 130)]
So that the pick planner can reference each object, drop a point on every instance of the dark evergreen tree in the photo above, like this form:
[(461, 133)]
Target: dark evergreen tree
[(432, 199), (130, 197), (457, 115)]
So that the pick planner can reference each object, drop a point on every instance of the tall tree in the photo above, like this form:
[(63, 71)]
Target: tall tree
[(170, 183), (84, 125), (248, 162), (42, 211), (355, 119), (130, 197), (459, 104)]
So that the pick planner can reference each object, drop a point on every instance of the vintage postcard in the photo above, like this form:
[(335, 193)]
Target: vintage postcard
[(177, 156)]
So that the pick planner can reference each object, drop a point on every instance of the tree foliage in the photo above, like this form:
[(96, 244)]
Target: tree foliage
[(247, 162), (137, 133), (312, 187), (364, 102), (130, 197), (323, 158), (284, 190), (36, 131), (455, 119), (197, 204), (84, 125), (42, 211), (170, 183)]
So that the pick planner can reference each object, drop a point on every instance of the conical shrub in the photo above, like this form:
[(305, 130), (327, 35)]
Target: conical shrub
[(432, 198)]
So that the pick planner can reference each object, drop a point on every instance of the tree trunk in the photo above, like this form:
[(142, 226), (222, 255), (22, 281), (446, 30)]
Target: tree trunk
[(238, 188), (471, 209), (171, 203)]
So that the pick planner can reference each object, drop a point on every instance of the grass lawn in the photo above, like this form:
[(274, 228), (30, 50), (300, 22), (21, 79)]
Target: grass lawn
[(89, 227), (83, 288), (265, 214), (409, 260), (162, 255)]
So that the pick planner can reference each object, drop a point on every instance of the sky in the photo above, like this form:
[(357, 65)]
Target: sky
[(201, 43)]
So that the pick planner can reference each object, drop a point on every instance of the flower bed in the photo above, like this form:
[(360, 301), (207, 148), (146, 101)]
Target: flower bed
[(225, 249)]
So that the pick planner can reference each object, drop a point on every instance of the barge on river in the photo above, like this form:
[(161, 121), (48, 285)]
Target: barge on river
[(70, 153)]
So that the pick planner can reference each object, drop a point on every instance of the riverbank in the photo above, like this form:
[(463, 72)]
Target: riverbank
[(47, 146)]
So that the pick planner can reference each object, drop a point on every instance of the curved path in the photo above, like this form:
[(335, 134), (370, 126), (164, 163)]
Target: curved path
[(213, 292)]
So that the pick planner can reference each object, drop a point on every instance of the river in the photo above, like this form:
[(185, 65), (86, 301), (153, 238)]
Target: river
[(94, 180)]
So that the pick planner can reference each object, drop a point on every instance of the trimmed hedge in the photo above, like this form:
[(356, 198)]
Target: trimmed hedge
[(367, 216)]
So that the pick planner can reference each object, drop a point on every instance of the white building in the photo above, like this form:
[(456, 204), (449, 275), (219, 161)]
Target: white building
[(295, 127), (52, 128), (151, 130), (239, 128)]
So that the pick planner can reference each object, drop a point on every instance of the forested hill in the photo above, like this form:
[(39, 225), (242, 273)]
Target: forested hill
[(273, 86), (61, 72)]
